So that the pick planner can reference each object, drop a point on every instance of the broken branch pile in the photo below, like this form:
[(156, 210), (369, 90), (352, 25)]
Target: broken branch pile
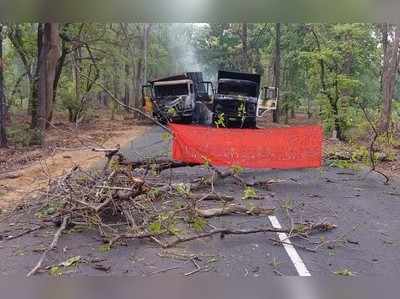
[(120, 203), (129, 200)]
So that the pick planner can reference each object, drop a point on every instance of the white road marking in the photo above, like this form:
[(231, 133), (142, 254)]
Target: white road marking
[(290, 250)]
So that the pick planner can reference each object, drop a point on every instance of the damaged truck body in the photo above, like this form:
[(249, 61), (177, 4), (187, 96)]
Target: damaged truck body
[(173, 99), (235, 103), (186, 98)]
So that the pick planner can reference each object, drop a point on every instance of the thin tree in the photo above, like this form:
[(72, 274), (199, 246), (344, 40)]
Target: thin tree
[(65, 50), (18, 41), (3, 136), (147, 28), (244, 42), (35, 80), (390, 67), (48, 59), (277, 69)]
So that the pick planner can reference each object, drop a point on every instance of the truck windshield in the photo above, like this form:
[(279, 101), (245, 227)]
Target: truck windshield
[(237, 87), (171, 90)]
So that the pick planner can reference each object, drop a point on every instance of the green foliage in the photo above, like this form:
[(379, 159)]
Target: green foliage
[(165, 223), (199, 224), (156, 227), (288, 205), (166, 136), (355, 155), (72, 261), (154, 193), (206, 162), (104, 248), (236, 169), (56, 271), (220, 121), (345, 164), (344, 272), (183, 189), (70, 102), (172, 112), (22, 135), (48, 210), (361, 154), (249, 193), (242, 110), (69, 263), (351, 54)]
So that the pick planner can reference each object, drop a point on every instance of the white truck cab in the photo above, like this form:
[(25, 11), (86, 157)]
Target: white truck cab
[(268, 101)]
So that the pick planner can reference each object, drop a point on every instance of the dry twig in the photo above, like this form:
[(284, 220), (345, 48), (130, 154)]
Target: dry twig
[(51, 247)]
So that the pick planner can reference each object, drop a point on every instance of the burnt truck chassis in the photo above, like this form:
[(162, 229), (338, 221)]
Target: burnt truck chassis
[(175, 98), (174, 108), (235, 103), (185, 99)]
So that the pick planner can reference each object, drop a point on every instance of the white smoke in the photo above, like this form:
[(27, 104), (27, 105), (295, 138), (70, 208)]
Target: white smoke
[(182, 51)]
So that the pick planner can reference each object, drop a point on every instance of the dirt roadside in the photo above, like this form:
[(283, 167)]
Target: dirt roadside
[(34, 179)]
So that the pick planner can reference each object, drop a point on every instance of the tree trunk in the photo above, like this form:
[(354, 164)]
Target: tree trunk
[(385, 34), (49, 56), (147, 28), (270, 72), (309, 114), (138, 81), (34, 82), (390, 66), (127, 95), (58, 72), (292, 113), (333, 99), (16, 39), (139, 75), (277, 69), (244, 40), (338, 128), (3, 136)]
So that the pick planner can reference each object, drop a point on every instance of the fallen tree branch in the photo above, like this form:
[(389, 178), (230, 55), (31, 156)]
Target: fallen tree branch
[(311, 229), (123, 206), (26, 232), (211, 197), (230, 173), (51, 247), (109, 154), (158, 165), (163, 164), (233, 209), (105, 150), (223, 232), (198, 268)]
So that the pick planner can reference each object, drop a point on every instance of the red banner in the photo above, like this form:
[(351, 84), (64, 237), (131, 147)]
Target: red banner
[(279, 148)]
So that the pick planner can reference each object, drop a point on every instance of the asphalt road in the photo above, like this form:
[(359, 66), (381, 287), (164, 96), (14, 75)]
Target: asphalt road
[(365, 243)]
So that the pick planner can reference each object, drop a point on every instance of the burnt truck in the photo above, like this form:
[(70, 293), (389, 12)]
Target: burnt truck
[(235, 102), (176, 98), (186, 98)]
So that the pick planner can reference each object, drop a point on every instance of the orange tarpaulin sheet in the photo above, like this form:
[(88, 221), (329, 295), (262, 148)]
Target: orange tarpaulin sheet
[(280, 148)]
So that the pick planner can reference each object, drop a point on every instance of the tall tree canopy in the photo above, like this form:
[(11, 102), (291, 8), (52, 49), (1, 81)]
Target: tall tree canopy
[(323, 70)]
